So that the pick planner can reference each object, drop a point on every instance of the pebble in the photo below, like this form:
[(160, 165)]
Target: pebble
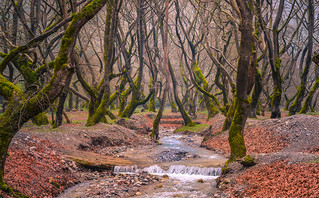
[(226, 180), (159, 186)]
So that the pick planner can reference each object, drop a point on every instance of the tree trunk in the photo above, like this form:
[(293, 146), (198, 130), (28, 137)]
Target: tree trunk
[(40, 119), (164, 33), (255, 96), (186, 118), (236, 135), (151, 104), (21, 110), (211, 108), (308, 100), (60, 107), (70, 101), (296, 106)]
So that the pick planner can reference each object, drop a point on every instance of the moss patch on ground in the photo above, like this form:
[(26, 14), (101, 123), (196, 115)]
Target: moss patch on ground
[(196, 128)]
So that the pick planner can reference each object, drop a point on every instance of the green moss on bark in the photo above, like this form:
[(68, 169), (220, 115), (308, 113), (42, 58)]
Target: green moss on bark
[(229, 116), (211, 108), (40, 119), (306, 104), (276, 98), (151, 105), (236, 137)]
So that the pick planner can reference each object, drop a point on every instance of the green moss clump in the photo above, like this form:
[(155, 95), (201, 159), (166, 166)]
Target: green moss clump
[(82, 162), (41, 119), (248, 161), (195, 128)]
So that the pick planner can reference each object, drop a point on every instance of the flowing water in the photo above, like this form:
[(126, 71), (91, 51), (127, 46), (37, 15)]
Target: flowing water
[(190, 177), (187, 169)]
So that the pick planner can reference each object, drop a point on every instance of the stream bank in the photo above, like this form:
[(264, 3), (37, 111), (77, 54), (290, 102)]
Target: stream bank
[(177, 166)]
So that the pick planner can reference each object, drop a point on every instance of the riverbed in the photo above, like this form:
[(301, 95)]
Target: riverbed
[(184, 169)]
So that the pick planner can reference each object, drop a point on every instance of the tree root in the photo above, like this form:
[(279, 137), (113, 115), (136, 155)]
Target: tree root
[(12, 192)]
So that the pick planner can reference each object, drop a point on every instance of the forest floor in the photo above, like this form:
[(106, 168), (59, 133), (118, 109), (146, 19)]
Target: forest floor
[(43, 161), (287, 155)]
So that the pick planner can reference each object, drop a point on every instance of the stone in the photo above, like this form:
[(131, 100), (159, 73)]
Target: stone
[(159, 186), (226, 181), (200, 181)]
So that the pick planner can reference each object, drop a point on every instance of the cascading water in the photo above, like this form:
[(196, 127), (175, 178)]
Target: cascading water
[(174, 169), (191, 170), (188, 176)]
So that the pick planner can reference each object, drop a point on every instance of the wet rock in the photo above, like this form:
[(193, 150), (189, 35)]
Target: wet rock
[(200, 181), (173, 155)]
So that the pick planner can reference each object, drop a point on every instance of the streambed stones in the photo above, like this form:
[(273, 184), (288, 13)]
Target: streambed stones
[(174, 155)]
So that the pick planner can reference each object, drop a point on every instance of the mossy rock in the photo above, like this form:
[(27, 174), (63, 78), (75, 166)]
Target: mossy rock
[(248, 160)]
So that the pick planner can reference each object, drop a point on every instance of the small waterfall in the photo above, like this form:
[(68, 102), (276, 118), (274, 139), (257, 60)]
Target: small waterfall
[(155, 169), (184, 170), (173, 170), (126, 169)]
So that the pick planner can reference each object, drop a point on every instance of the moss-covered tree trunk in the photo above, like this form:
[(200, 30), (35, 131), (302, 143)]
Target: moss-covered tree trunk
[(21, 109), (274, 55), (32, 83), (211, 108), (277, 91), (296, 106), (255, 95), (288, 101), (236, 131), (151, 104), (187, 120), (123, 99), (41, 119), (229, 115), (104, 98), (172, 102), (136, 90), (308, 100), (164, 33)]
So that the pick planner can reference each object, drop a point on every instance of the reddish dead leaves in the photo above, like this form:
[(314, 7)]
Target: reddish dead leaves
[(36, 171), (257, 140), (281, 180)]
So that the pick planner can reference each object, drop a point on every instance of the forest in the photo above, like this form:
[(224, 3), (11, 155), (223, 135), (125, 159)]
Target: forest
[(159, 98)]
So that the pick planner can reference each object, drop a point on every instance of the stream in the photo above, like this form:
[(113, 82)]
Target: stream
[(187, 169)]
